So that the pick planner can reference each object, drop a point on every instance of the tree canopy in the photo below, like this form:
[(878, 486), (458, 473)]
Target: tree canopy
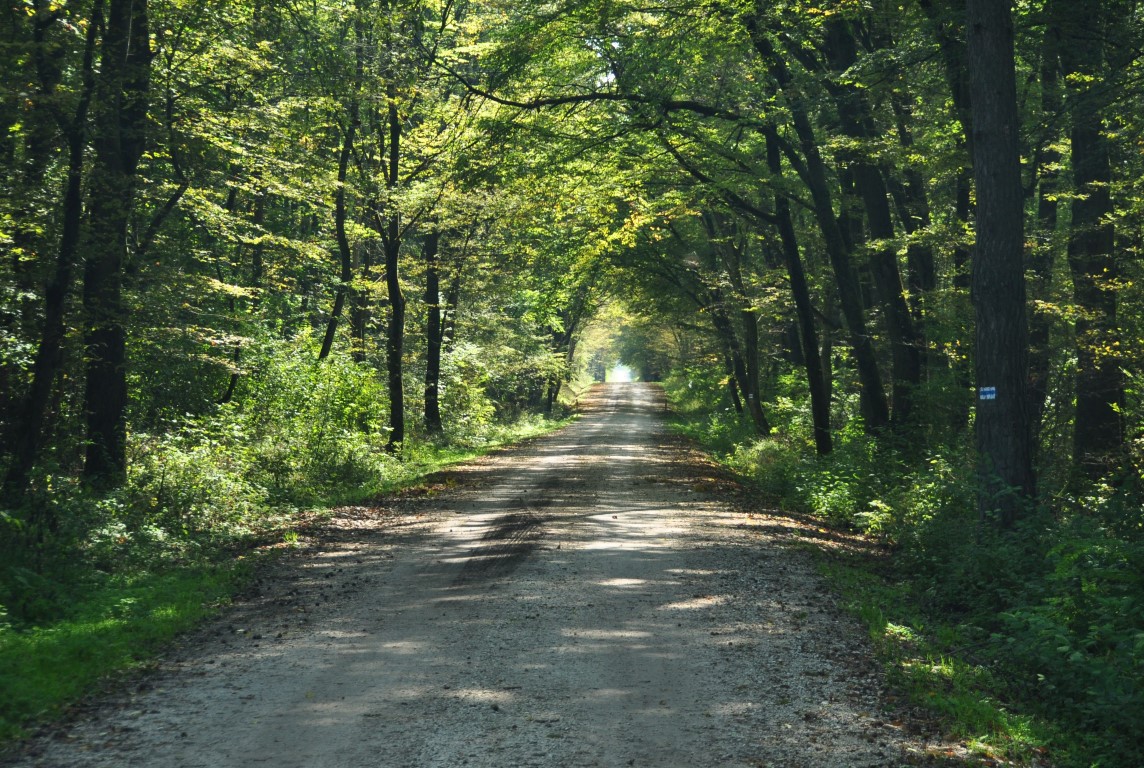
[(306, 238)]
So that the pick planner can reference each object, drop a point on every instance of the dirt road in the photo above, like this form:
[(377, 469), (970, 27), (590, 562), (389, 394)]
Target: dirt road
[(585, 600)]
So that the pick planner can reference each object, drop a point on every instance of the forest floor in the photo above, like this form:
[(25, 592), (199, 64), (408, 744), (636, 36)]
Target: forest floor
[(603, 596)]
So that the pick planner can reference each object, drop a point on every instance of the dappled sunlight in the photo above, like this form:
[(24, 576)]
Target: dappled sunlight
[(621, 582), (576, 607), (483, 695), (695, 604)]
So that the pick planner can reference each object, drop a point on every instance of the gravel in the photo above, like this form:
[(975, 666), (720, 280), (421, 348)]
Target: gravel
[(588, 599)]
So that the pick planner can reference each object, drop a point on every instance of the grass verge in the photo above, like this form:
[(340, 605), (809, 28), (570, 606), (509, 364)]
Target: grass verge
[(936, 667), (113, 627), (930, 664)]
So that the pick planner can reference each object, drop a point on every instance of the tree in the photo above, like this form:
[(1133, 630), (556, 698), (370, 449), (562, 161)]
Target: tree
[(119, 139), (1093, 262), (29, 427), (1004, 437)]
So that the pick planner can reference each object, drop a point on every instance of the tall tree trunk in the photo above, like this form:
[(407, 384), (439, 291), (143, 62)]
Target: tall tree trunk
[(433, 333), (360, 301), (119, 140), (1004, 436), (34, 122), (395, 336), (804, 309), (725, 330), (29, 428), (345, 252), (1043, 257), (1100, 384), (749, 321), (947, 21), (732, 257)]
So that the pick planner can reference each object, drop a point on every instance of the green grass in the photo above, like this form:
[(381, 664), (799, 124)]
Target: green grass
[(112, 628), (931, 664)]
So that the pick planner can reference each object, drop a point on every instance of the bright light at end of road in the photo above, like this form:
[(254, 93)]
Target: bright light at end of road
[(621, 373)]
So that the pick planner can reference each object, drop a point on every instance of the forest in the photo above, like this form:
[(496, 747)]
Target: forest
[(262, 258)]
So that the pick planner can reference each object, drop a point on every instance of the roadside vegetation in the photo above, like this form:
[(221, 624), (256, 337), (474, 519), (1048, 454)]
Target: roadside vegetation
[(1025, 644)]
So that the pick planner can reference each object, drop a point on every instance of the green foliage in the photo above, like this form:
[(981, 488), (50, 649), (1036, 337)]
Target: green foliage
[(927, 661), (113, 623), (1079, 643)]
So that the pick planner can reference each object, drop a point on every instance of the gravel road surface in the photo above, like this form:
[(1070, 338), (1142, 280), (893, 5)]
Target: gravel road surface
[(587, 599)]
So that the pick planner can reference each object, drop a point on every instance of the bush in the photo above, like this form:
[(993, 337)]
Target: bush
[(774, 467)]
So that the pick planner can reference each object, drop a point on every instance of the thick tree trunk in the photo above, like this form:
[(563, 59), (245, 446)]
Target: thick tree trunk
[(1004, 436), (1100, 383), (433, 334), (119, 140)]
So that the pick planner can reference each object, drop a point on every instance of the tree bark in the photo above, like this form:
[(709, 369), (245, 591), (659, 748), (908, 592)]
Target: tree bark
[(804, 309), (395, 335), (857, 123), (360, 301), (732, 257), (433, 334), (1004, 438), (1043, 257), (119, 140), (739, 369), (876, 410), (947, 22), (345, 253)]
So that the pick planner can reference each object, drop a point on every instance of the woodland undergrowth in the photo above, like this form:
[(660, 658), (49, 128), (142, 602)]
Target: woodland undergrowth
[(1025, 644)]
